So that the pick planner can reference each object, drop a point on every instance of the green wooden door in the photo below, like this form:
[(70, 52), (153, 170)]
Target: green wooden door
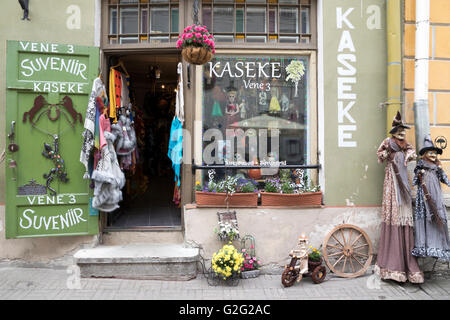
[(48, 87)]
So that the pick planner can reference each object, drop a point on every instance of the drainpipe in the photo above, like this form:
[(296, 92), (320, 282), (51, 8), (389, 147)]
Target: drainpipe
[(421, 113), (394, 58)]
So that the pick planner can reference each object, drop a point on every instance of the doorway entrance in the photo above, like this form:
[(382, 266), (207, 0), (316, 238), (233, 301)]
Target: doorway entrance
[(149, 197)]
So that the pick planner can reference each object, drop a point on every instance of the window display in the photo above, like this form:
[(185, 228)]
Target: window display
[(255, 110)]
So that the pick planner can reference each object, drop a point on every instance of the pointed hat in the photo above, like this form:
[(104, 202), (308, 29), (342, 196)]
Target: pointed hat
[(397, 123), (428, 146)]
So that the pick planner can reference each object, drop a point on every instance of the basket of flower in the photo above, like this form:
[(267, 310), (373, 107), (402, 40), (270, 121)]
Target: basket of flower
[(197, 44), (284, 191), (250, 266), (226, 265), (231, 191)]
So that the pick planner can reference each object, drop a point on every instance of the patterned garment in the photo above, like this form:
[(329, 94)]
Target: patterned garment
[(89, 125), (431, 240), (394, 260)]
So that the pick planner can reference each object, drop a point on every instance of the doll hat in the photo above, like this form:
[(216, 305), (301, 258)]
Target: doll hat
[(231, 87), (428, 146), (397, 123)]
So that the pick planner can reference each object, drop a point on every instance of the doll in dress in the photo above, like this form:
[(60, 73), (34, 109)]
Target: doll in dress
[(394, 260), (431, 231)]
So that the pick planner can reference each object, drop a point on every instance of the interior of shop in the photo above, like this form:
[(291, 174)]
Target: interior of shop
[(150, 199)]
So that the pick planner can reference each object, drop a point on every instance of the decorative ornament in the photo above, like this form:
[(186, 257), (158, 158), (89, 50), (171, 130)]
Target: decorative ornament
[(295, 70), (274, 105), (59, 168), (32, 188)]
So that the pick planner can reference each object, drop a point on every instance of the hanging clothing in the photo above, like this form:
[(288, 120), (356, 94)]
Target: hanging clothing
[(175, 152), (395, 260), (89, 125), (179, 102), (126, 141), (431, 239), (115, 93), (108, 178)]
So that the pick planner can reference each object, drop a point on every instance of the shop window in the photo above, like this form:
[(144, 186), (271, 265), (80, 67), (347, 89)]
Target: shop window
[(255, 111), (135, 21), (280, 21)]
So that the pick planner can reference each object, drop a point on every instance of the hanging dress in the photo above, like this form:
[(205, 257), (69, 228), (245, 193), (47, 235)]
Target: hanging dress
[(394, 260), (431, 239)]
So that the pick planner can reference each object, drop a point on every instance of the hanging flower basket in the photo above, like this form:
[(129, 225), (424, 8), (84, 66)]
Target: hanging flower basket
[(197, 44), (294, 199), (211, 199)]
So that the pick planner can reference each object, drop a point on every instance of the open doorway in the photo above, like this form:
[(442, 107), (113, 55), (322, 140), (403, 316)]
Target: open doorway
[(149, 198)]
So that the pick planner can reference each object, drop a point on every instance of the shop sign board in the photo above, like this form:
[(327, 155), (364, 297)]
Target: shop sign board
[(48, 87)]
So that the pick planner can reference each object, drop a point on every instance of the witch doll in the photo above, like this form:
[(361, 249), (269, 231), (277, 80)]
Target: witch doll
[(395, 261), (232, 107), (431, 231)]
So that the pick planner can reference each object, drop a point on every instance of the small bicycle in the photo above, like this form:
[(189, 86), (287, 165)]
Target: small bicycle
[(300, 265)]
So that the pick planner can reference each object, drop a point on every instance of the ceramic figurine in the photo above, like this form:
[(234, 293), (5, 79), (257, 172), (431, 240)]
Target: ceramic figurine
[(431, 231), (395, 260)]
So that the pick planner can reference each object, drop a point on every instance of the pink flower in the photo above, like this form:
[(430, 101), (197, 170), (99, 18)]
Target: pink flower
[(254, 258), (251, 246), (243, 250), (259, 261), (251, 266), (251, 261), (242, 269)]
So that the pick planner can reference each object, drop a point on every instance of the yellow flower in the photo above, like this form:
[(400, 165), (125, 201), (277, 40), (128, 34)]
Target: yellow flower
[(197, 183)]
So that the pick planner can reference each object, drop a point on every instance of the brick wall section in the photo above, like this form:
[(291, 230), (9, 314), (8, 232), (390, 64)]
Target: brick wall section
[(439, 72)]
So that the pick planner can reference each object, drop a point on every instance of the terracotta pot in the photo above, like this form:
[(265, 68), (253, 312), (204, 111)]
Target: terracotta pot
[(209, 199), (197, 55), (296, 199), (255, 174)]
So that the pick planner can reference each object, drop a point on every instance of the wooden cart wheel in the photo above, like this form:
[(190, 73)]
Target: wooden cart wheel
[(347, 251), (288, 277), (319, 274)]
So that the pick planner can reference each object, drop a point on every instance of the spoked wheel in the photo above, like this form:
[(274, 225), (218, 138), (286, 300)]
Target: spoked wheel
[(347, 251), (288, 277), (319, 274)]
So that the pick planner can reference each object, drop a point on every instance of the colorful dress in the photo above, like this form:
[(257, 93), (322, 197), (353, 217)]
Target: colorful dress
[(395, 260), (431, 239)]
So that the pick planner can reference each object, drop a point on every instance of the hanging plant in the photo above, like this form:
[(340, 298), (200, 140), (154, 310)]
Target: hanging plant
[(197, 44)]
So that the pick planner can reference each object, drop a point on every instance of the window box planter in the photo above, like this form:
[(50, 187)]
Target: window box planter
[(210, 199), (294, 200)]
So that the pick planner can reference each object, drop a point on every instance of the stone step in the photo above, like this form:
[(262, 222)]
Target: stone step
[(139, 261)]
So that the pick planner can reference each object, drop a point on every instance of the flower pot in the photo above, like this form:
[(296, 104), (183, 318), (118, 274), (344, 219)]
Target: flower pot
[(295, 199), (210, 199), (197, 55), (250, 274), (313, 264)]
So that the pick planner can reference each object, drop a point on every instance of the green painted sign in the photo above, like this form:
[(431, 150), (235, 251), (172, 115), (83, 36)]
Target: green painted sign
[(48, 87), (354, 58)]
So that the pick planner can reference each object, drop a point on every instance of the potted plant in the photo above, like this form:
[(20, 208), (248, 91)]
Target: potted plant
[(314, 259), (234, 191), (283, 191), (197, 44), (227, 230), (226, 264), (250, 266)]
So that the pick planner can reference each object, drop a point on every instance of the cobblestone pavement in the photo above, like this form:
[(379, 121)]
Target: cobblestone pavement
[(18, 283)]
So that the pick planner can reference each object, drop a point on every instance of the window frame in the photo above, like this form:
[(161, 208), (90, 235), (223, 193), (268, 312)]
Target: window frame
[(312, 133), (268, 44), (144, 36)]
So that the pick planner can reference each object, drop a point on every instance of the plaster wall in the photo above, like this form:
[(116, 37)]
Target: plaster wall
[(276, 230)]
